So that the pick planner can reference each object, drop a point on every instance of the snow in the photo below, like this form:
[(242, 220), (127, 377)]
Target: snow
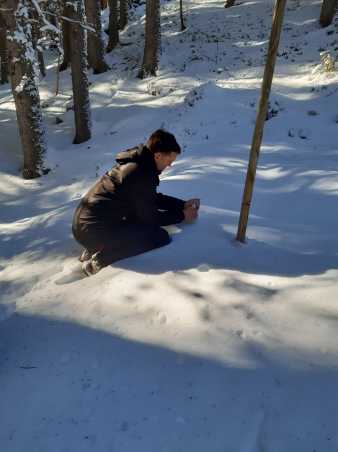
[(206, 344)]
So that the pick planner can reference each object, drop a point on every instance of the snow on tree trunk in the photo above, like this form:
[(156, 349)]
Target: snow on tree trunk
[(123, 14), (152, 39), (75, 12), (24, 81), (95, 41), (3, 52), (113, 28), (328, 12), (229, 3)]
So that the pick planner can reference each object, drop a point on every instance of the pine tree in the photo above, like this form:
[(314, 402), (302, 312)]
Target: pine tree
[(113, 29), (75, 13), (152, 39), (95, 41), (36, 37), (24, 82), (183, 27), (3, 52), (328, 12), (123, 14), (65, 26)]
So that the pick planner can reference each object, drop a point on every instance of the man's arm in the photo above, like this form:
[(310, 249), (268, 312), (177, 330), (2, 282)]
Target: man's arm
[(145, 207), (165, 202)]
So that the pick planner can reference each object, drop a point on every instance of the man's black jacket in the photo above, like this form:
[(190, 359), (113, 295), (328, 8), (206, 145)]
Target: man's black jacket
[(128, 193)]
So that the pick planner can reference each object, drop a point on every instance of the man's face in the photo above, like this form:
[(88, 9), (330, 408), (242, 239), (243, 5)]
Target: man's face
[(163, 160)]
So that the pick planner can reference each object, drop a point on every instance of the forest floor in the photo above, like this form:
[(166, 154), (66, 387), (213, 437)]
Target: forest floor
[(206, 344)]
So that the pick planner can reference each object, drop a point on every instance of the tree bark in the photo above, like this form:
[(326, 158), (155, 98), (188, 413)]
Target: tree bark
[(327, 12), (95, 41), (36, 36), (65, 42), (277, 23), (74, 10), (113, 28), (229, 3), (123, 14), (3, 52), (152, 39), (23, 77)]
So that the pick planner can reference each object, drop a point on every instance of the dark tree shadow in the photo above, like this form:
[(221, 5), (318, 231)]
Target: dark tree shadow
[(69, 387)]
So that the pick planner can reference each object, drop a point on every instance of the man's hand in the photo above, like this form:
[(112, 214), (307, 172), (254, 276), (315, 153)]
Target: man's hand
[(190, 213), (195, 202)]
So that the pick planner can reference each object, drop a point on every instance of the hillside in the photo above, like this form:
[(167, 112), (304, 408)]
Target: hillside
[(206, 344)]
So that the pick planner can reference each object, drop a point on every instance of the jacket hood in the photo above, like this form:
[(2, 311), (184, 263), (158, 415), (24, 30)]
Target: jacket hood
[(132, 155), (139, 154)]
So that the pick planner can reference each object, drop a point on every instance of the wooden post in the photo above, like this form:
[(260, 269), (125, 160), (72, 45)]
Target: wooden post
[(261, 117)]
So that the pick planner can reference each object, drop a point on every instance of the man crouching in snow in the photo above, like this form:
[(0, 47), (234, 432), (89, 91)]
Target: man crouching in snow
[(122, 214)]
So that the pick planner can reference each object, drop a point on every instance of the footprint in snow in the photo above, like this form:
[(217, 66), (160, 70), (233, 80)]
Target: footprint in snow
[(160, 318)]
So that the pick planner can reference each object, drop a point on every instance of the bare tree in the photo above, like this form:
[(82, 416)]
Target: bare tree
[(3, 52), (123, 14), (113, 28), (229, 3), (74, 12), (22, 61), (95, 41), (328, 12), (152, 39)]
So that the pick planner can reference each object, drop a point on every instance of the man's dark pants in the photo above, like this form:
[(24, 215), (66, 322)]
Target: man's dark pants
[(115, 242)]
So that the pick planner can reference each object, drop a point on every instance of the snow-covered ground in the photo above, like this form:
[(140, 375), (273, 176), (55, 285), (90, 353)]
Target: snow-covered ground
[(205, 344)]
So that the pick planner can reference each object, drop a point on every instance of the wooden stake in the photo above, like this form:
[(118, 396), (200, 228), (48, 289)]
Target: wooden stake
[(277, 22)]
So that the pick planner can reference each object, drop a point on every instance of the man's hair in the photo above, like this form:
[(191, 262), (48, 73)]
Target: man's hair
[(163, 141)]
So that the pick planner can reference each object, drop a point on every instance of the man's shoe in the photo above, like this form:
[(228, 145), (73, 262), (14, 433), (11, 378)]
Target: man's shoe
[(91, 267), (85, 256)]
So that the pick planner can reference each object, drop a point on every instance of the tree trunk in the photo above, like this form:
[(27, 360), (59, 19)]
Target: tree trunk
[(113, 29), (52, 11), (3, 52), (328, 12), (95, 41), (65, 42), (123, 14), (229, 3), (36, 36), (183, 27), (22, 62), (74, 10), (152, 39)]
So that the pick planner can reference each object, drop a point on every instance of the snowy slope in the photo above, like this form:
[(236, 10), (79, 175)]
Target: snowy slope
[(205, 344)]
